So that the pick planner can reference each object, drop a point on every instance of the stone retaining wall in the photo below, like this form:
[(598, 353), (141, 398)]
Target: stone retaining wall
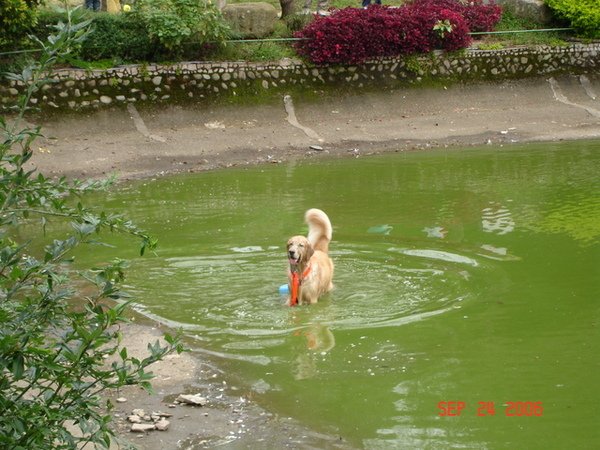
[(79, 89)]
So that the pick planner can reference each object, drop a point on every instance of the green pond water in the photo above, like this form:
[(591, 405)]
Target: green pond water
[(461, 276)]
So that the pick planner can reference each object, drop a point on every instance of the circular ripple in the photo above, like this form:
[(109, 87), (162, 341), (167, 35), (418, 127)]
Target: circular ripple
[(233, 296)]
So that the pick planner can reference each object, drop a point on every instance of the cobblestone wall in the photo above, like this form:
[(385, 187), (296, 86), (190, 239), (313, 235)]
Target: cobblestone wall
[(78, 89)]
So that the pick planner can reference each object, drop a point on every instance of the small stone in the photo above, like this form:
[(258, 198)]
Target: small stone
[(318, 148), (196, 400), (142, 427), (139, 412), (121, 400), (162, 425), (134, 418), (105, 99)]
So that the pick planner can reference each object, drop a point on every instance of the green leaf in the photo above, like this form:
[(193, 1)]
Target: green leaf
[(18, 366)]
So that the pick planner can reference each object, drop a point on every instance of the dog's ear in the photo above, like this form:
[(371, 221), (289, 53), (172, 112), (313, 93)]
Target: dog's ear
[(308, 252)]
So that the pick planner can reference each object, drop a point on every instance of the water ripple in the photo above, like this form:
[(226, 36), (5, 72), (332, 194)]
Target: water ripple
[(234, 294)]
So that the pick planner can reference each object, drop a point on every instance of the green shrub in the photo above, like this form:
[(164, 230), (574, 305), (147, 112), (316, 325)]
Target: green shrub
[(135, 36), (584, 15), (16, 18), (175, 23), (57, 324), (119, 36)]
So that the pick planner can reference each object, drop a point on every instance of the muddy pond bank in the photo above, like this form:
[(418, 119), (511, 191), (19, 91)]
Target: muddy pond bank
[(136, 143), (227, 418)]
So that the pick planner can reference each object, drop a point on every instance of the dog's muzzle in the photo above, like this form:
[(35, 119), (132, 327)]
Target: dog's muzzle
[(293, 257)]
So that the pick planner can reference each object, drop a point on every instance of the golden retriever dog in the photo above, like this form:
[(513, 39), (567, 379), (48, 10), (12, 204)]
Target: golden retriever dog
[(311, 269)]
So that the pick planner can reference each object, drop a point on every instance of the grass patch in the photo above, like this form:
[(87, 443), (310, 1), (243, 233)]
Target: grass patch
[(510, 22), (254, 51)]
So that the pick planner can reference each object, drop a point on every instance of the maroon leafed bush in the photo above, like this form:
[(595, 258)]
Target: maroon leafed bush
[(353, 35), (478, 15), (450, 30)]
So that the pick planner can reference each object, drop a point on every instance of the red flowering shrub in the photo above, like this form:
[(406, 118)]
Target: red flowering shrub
[(353, 35), (350, 35), (446, 28), (450, 30), (478, 15)]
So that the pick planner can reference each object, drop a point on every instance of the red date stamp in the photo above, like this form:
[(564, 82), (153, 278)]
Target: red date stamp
[(454, 408)]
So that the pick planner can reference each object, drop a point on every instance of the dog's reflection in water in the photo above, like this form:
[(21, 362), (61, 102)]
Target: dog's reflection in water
[(317, 340)]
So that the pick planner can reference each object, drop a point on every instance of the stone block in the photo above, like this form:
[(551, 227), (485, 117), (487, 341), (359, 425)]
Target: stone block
[(251, 20), (536, 10)]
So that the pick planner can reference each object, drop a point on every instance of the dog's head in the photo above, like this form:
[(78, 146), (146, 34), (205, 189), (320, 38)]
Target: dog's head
[(299, 251)]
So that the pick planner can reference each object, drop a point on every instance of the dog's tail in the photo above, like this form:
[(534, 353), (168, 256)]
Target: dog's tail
[(319, 229)]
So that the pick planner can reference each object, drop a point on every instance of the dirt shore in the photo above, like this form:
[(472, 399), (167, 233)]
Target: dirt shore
[(146, 142), (228, 419), (137, 142)]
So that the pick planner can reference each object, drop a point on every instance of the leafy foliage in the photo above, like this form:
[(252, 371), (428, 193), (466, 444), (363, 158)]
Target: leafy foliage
[(154, 30), (354, 35), (115, 36), (16, 18), (173, 23), (118, 36), (584, 15), (57, 326)]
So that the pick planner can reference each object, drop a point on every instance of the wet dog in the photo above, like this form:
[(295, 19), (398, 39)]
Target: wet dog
[(311, 269)]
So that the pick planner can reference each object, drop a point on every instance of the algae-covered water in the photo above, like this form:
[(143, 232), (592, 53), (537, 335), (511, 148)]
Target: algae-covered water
[(466, 312)]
